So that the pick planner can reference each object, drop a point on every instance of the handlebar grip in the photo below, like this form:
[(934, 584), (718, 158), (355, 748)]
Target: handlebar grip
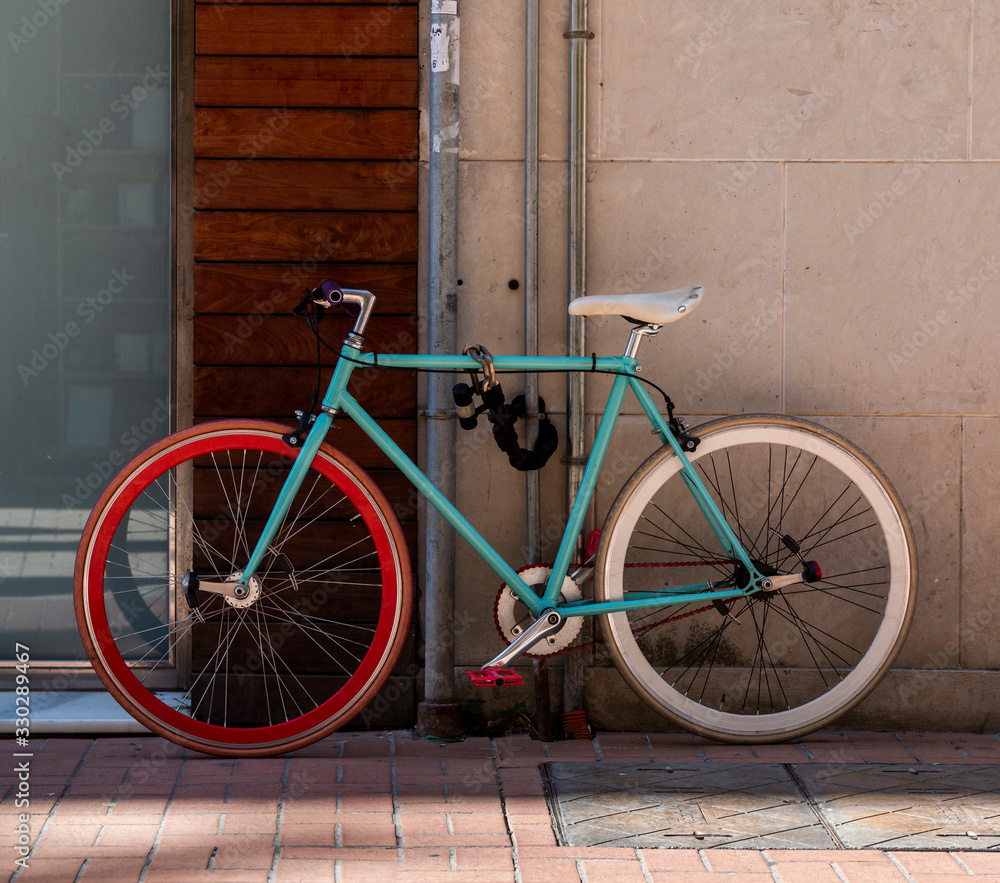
[(330, 291), (330, 294)]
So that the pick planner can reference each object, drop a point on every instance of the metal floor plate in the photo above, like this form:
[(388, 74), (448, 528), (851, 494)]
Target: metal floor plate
[(776, 806)]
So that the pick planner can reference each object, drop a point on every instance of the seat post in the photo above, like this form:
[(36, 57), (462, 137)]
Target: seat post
[(638, 333)]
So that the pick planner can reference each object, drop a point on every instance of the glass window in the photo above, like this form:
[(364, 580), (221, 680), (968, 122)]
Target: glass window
[(85, 257)]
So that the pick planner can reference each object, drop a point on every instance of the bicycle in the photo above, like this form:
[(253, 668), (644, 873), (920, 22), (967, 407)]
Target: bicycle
[(247, 560)]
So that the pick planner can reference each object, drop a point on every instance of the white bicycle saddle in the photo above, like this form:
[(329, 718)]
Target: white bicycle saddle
[(655, 309)]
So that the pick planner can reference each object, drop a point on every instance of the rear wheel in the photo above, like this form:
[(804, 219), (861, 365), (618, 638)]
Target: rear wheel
[(772, 665), (313, 639)]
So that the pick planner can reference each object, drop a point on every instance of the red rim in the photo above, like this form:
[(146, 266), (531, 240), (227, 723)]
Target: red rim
[(378, 658)]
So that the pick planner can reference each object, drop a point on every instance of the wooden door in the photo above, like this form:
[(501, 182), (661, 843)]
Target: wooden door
[(305, 168)]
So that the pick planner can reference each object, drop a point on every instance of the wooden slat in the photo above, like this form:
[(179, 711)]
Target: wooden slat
[(348, 438), (393, 707), (277, 392), (320, 236), (305, 82), (307, 30), (287, 340), (302, 185), (286, 133), (276, 288), (314, 545), (224, 6), (260, 493), (243, 653)]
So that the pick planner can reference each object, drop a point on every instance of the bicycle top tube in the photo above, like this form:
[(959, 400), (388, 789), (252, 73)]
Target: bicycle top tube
[(613, 364)]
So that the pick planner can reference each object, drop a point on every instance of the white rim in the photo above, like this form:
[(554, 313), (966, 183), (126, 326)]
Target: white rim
[(856, 683)]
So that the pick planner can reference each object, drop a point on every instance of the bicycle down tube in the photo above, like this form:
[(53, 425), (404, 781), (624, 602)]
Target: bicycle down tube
[(338, 399)]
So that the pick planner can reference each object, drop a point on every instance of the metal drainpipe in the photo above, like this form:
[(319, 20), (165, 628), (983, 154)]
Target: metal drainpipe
[(532, 484), (439, 713), (578, 35)]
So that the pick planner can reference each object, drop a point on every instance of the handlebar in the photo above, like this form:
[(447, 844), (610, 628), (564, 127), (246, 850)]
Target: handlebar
[(357, 303)]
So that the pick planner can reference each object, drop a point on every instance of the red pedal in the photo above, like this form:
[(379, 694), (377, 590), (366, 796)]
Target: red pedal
[(496, 677)]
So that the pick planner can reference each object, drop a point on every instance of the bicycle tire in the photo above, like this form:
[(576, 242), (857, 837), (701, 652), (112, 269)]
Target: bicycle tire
[(770, 666), (329, 608)]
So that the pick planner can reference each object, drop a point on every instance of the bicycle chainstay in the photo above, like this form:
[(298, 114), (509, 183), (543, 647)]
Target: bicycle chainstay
[(635, 631)]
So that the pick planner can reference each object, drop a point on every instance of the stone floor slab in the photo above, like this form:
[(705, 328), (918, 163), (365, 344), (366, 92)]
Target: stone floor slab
[(901, 806), (683, 806), (776, 806)]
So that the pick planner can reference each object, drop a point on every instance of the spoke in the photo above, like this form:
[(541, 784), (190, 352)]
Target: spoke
[(696, 656), (766, 651), (268, 652), (779, 498), (339, 642), (807, 630), (716, 485), (303, 508), (694, 547), (192, 530), (829, 592)]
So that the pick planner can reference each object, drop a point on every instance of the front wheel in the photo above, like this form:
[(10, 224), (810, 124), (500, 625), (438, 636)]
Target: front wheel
[(315, 635), (772, 665)]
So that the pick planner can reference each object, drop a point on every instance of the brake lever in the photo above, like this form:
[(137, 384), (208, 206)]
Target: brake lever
[(303, 305)]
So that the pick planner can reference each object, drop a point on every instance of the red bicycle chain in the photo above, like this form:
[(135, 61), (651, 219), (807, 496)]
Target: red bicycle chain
[(635, 631)]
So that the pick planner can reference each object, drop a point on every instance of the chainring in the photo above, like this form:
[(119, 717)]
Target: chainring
[(512, 617)]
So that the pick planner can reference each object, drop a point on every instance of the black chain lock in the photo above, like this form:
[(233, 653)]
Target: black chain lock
[(502, 415)]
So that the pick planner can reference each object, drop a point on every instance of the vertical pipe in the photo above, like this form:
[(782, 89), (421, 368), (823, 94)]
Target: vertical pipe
[(578, 36), (439, 714), (532, 484), (531, 262)]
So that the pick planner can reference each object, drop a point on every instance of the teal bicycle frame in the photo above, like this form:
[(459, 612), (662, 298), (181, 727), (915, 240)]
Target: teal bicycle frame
[(338, 399)]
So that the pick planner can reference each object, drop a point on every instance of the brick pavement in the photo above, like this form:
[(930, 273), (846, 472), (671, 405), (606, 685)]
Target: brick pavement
[(386, 806)]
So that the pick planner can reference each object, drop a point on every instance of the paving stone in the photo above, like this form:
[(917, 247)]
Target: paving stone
[(895, 806), (617, 871), (758, 806), (930, 863), (978, 862), (683, 806), (52, 870), (548, 870)]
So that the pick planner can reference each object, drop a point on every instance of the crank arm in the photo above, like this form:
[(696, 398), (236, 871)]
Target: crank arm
[(545, 625)]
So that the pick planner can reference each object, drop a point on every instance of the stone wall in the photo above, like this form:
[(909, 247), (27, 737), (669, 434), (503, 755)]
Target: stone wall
[(827, 170)]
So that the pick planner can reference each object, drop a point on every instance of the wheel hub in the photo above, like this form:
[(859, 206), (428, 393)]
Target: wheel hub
[(235, 593), (252, 594), (741, 576)]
